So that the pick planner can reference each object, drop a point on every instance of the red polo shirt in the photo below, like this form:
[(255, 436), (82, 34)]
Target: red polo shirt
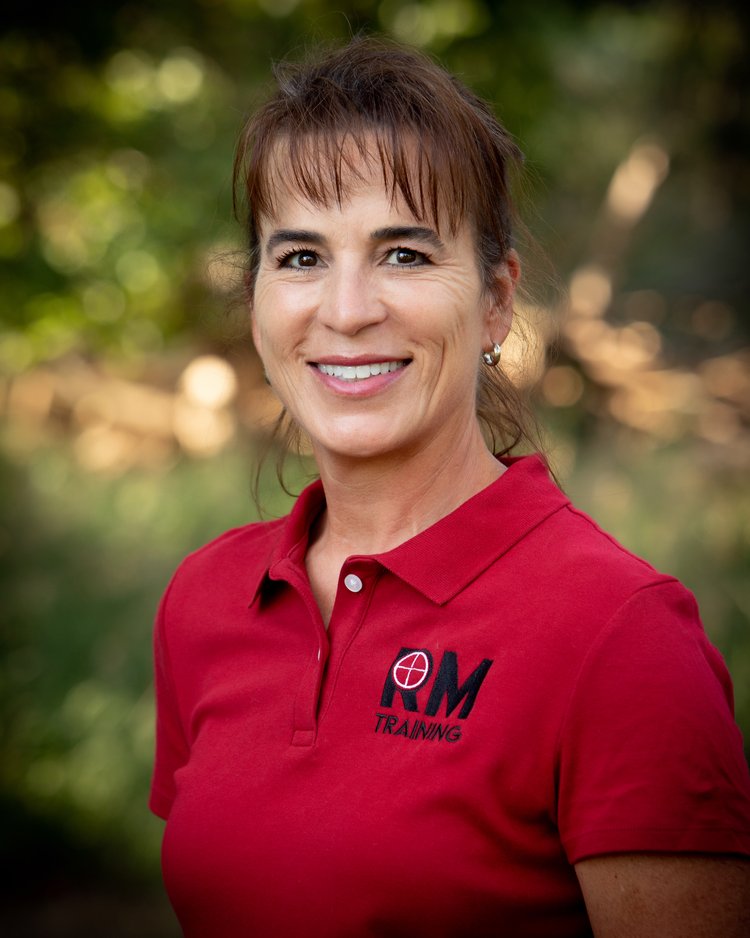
[(504, 694)]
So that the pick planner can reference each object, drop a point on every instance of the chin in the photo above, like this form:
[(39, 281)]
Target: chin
[(356, 443)]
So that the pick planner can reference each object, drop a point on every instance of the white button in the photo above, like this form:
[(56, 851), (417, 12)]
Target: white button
[(352, 582)]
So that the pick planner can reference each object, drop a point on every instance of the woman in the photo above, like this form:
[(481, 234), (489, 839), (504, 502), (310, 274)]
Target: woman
[(435, 699)]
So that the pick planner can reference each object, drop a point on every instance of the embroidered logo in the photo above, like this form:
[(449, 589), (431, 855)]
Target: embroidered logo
[(412, 670), (409, 673)]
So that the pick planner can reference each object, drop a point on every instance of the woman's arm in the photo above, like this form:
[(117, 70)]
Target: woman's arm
[(666, 896)]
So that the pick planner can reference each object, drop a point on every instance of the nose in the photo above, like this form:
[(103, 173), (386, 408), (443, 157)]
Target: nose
[(349, 302)]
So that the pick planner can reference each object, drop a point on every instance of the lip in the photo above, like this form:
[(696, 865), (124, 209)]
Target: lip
[(362, 388)]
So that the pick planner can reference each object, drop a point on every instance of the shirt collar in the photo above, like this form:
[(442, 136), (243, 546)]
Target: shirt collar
[(443, 559), (289, 536), (453, 552)]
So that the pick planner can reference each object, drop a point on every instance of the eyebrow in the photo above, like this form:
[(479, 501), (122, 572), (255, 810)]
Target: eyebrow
[(285, 235), (392, 233), (410, 233)]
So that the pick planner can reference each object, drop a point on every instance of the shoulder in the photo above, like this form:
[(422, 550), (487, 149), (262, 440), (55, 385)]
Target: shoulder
[(222, 577), (580, 542), (586, 590), (234, 561), (573, 563), (562, 539), (245, 544)]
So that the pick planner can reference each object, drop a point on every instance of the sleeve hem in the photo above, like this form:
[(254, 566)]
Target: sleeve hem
[(657, 840)]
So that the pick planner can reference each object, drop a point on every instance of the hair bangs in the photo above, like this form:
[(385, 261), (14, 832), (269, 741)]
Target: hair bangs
[(322, 166)]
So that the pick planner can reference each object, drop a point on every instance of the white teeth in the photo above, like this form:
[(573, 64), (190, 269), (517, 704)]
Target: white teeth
[(360, 372)]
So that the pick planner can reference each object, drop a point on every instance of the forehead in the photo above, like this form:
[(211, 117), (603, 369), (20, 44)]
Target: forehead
[(363, 193), (321, 173)]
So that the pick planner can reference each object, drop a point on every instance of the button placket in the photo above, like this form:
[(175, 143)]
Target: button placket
[(350, 612), (307, 697), (316, 689)]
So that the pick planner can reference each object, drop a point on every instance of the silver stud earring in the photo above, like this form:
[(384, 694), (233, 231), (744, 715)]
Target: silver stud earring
[(492, 359)]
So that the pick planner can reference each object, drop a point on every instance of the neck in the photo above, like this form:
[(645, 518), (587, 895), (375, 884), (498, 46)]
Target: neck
[(374, 505)]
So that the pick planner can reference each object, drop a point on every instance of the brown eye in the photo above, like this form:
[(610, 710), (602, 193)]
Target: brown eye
[(405, 257), (304, 259)]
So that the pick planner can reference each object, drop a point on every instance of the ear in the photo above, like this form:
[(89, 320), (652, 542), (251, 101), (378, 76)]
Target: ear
[(500, 309)]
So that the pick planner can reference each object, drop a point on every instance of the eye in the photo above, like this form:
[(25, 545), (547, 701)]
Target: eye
[(406, 257), (299, 259)]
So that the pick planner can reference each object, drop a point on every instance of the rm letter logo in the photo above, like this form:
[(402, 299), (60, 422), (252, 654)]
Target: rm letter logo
[(409, 676)]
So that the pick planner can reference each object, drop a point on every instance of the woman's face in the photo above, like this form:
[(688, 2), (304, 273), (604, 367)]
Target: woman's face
[(370, 325)]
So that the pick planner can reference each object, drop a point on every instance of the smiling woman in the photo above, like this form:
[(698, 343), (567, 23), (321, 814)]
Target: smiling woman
[(426, 140), (435, 700)]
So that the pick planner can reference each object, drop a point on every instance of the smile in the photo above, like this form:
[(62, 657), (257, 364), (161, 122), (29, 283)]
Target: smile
[(360, 372)]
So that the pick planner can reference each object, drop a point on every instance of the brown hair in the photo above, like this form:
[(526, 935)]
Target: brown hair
[(372, 99)]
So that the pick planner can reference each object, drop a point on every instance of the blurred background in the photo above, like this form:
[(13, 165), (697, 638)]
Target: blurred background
[(133, 407)]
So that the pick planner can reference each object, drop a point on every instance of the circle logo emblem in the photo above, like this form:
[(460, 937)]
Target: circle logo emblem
[(411, 671)]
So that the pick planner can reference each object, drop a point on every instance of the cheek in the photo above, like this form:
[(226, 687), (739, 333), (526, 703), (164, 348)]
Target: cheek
[(463, 326), (263, 344), (271, 328), (271, 355)]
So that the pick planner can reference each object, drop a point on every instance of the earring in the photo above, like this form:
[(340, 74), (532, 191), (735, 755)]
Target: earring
[(492, 359)]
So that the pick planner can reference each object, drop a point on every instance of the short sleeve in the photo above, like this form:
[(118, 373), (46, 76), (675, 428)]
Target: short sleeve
[(171, 746), (650, 757)]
